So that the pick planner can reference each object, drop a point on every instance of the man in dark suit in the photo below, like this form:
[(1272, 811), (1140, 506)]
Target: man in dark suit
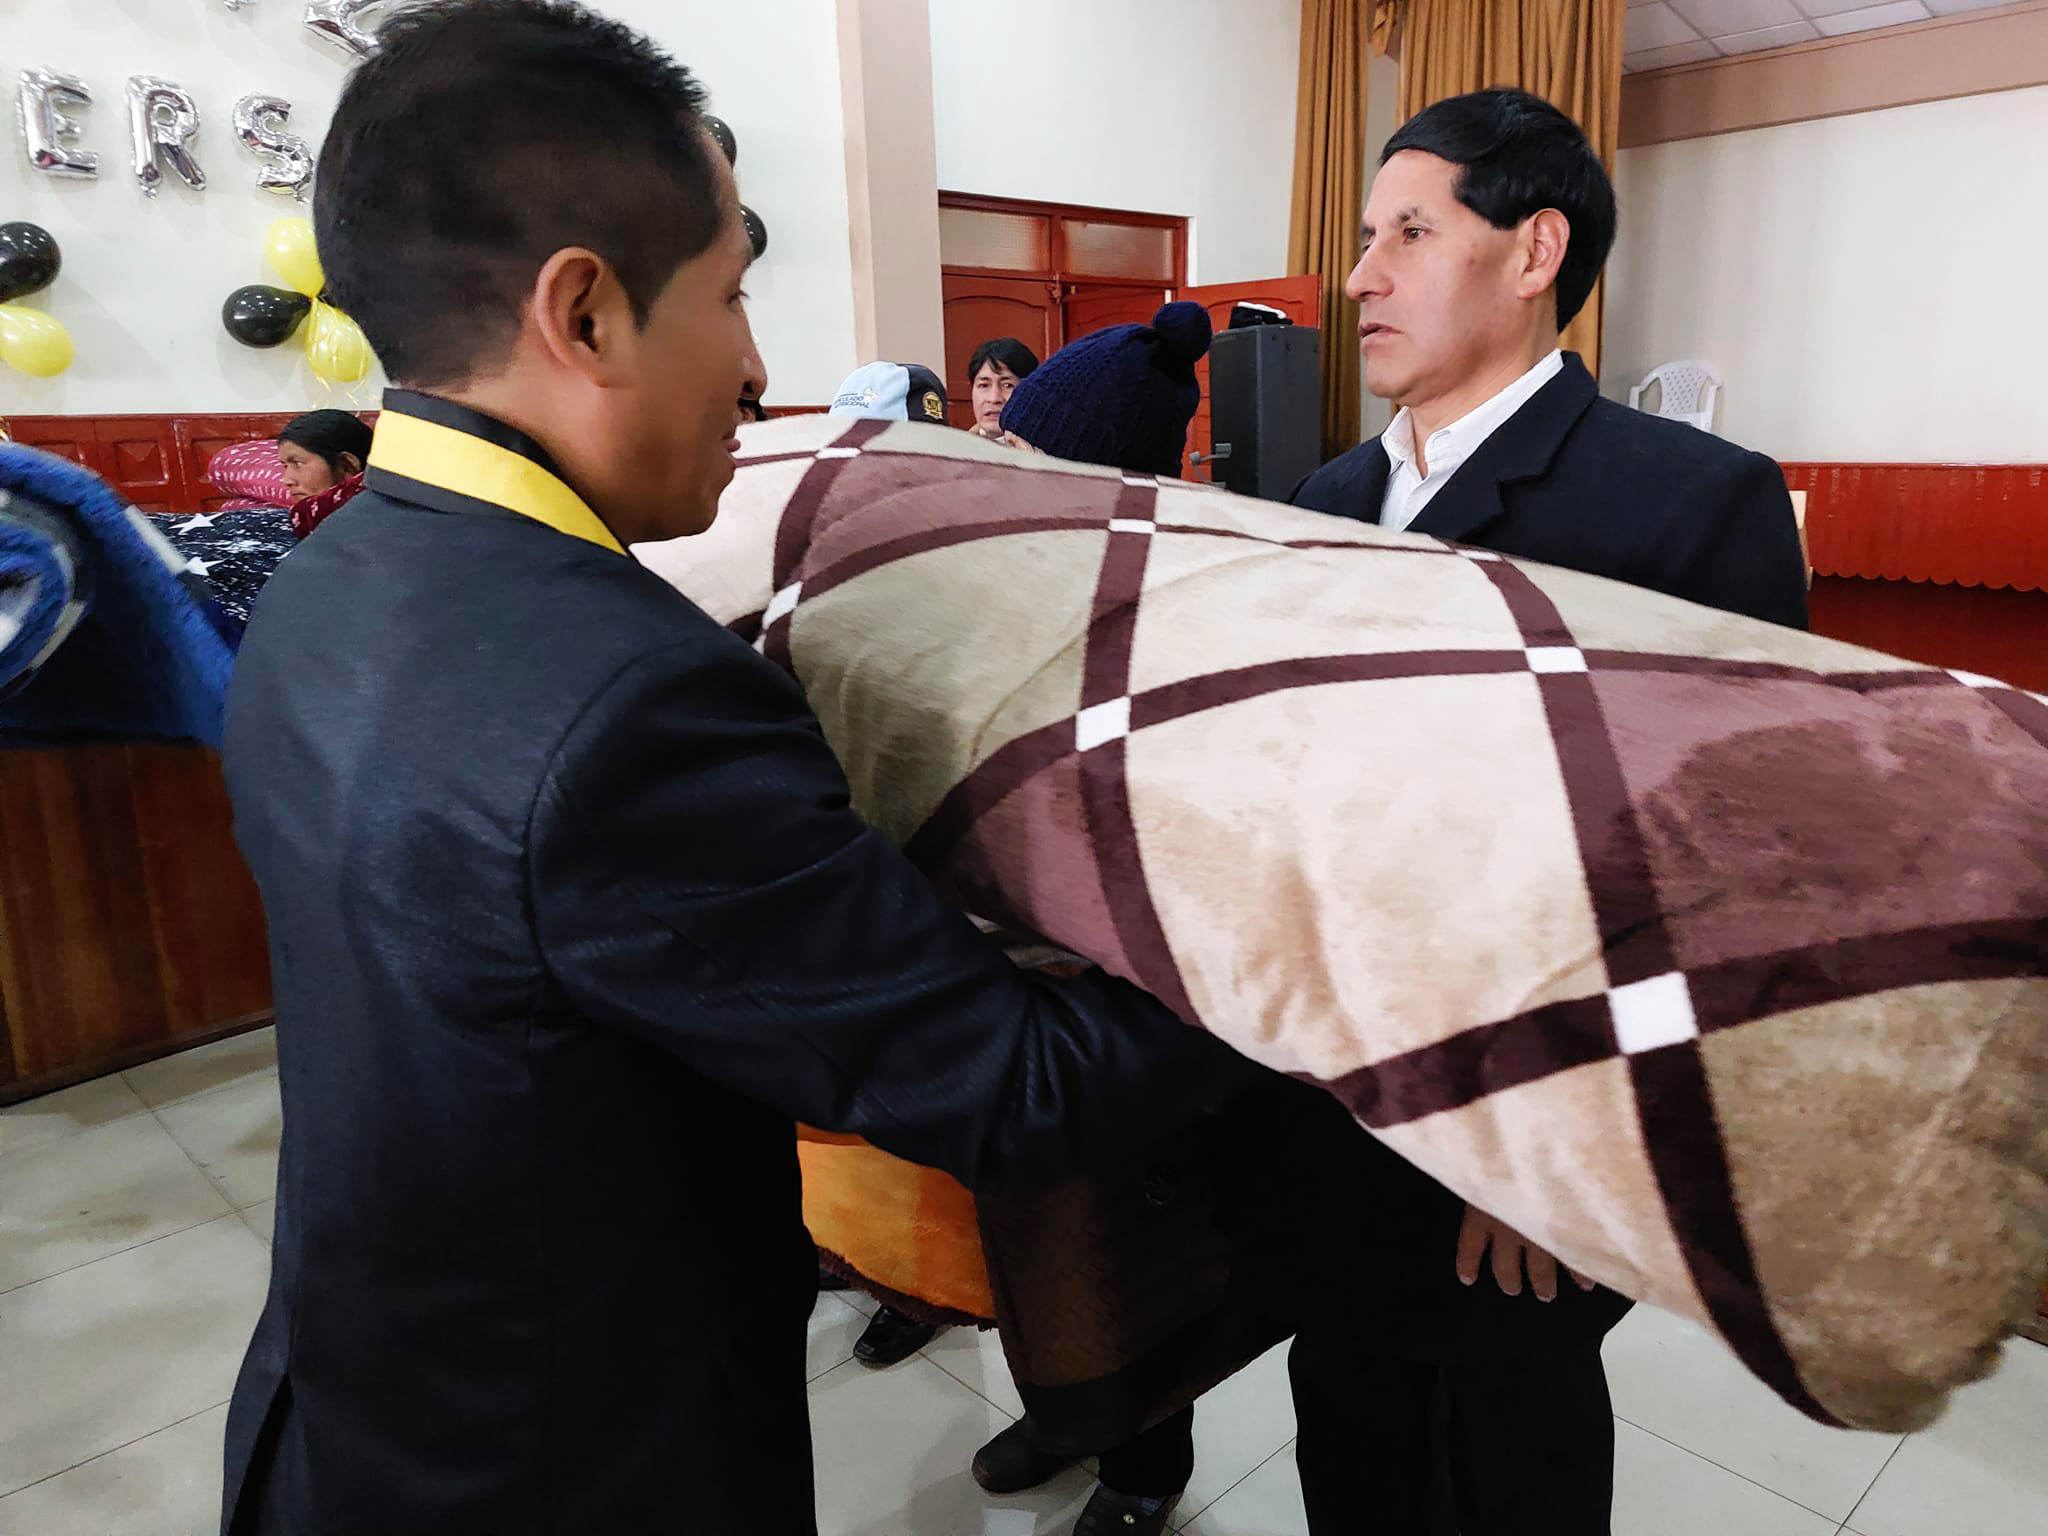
[(1432, 1399), (569, 914)]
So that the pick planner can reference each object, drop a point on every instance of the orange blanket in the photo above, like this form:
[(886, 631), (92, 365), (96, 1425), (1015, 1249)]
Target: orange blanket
[(905, 1233)]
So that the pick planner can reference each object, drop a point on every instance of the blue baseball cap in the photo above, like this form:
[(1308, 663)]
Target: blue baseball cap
[(892, 392)]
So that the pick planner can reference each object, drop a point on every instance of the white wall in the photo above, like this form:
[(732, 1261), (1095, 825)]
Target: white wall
[(143, 281), (1871, 287), (1156, 106)]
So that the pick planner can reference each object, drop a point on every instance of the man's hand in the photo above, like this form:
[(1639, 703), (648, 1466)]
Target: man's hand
[(1480, 1231)]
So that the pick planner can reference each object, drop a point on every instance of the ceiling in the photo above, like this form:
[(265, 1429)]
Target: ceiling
[(1663, 33)]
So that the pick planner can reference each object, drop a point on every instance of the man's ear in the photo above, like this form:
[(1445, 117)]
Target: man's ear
[(580, 312), (1547, 234), (349, 463)]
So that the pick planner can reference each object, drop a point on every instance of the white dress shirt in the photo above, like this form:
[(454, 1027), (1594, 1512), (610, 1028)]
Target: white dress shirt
[(1409, 492)]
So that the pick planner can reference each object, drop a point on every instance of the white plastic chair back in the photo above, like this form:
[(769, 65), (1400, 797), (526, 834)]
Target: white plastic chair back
[(1686, 391)]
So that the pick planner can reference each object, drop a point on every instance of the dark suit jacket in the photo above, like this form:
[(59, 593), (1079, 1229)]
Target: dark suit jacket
[(569, 916), (1577, 481)]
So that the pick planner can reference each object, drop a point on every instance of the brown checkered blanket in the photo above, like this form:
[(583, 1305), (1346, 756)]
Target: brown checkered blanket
[(1712, 955)]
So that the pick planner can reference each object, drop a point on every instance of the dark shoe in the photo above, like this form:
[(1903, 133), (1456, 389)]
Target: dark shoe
[(891, 1337), (1110, 1513), (1012, 1462)]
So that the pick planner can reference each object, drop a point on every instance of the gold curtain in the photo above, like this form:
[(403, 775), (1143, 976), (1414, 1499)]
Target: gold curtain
[(1329, 183), (1566, 51)]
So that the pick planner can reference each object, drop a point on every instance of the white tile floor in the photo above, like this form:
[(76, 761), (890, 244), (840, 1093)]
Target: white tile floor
[(135, 1213)]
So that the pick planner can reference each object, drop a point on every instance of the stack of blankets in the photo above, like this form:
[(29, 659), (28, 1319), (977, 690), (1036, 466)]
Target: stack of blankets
[(1711, 955)]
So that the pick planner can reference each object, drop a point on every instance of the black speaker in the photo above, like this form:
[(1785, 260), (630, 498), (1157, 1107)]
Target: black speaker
[(1265, 408)]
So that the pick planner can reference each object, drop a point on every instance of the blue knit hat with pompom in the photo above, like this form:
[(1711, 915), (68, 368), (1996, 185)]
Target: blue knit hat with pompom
[(1122, 397)]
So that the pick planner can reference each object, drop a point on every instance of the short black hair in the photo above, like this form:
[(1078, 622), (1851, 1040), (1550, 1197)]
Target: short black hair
[(1521, 155), (1006, 350), (482, 137), (328, 435)]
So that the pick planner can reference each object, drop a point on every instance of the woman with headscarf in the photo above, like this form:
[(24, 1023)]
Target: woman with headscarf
[(322, 454)]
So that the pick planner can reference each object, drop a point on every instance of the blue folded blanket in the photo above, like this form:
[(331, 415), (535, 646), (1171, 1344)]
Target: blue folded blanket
[(104, 632)]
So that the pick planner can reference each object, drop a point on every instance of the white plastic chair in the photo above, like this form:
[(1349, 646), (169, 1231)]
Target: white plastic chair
[(1686, 391)]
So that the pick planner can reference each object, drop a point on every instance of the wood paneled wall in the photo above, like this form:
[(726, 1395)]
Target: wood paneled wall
[(128, 923)]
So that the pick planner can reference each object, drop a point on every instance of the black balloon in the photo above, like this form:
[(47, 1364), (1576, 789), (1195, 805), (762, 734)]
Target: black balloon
[(29, 260), (757, 232), (261, 316), (723, 134)]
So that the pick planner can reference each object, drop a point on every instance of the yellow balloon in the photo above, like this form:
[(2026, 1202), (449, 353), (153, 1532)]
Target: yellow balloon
[(336, 347), (290, 248), (33, 342)]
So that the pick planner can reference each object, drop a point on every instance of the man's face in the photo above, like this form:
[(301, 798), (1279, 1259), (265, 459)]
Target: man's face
[(1436, 285), (692, 362), (992, 389)]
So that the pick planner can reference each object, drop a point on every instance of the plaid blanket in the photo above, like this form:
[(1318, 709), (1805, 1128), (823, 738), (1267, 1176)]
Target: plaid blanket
[(1714, 956)]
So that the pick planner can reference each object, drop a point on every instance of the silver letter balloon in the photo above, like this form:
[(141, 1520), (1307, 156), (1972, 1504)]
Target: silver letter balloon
[(48, 127), (288, 159), (340, 22), (163, 119)]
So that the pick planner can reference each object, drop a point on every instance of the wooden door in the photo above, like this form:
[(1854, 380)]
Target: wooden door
[(980, 308), (1092, 307), (1299, 298)]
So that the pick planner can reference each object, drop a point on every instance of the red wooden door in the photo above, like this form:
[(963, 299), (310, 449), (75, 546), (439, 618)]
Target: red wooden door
[(979, 309), (1092, 307), (1299, 298)]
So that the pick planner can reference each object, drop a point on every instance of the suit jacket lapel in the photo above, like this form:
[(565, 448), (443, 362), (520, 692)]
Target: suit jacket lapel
[(1372, 485), (1520, 449)]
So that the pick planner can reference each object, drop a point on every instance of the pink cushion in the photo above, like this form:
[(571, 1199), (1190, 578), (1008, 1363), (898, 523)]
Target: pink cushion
[(252, 470)]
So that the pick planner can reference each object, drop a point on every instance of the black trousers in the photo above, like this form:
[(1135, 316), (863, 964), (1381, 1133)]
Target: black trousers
[(1425, 1407), (1390, 1446), (1155, 1465)]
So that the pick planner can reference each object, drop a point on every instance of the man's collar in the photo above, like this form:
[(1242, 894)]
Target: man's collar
[(1455, 442), (453, 459)]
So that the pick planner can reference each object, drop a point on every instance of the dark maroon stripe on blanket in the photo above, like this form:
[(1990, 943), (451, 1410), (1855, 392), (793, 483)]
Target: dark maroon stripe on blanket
[(1626, 906), (1113, 837), (1535, 615), (1213, 690), (745, 461), (1013, 764), (793, 533), (799, 518), (1451, 1073), (1004, 771), (1686, 1152), (1105, 786), (1673, 1101), (925, 540), (1702, 666), (1113, 625), (748, 626), (1611, 848), (1883, 682), (1732, 992), (1559, 1036), (2023, 709)]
